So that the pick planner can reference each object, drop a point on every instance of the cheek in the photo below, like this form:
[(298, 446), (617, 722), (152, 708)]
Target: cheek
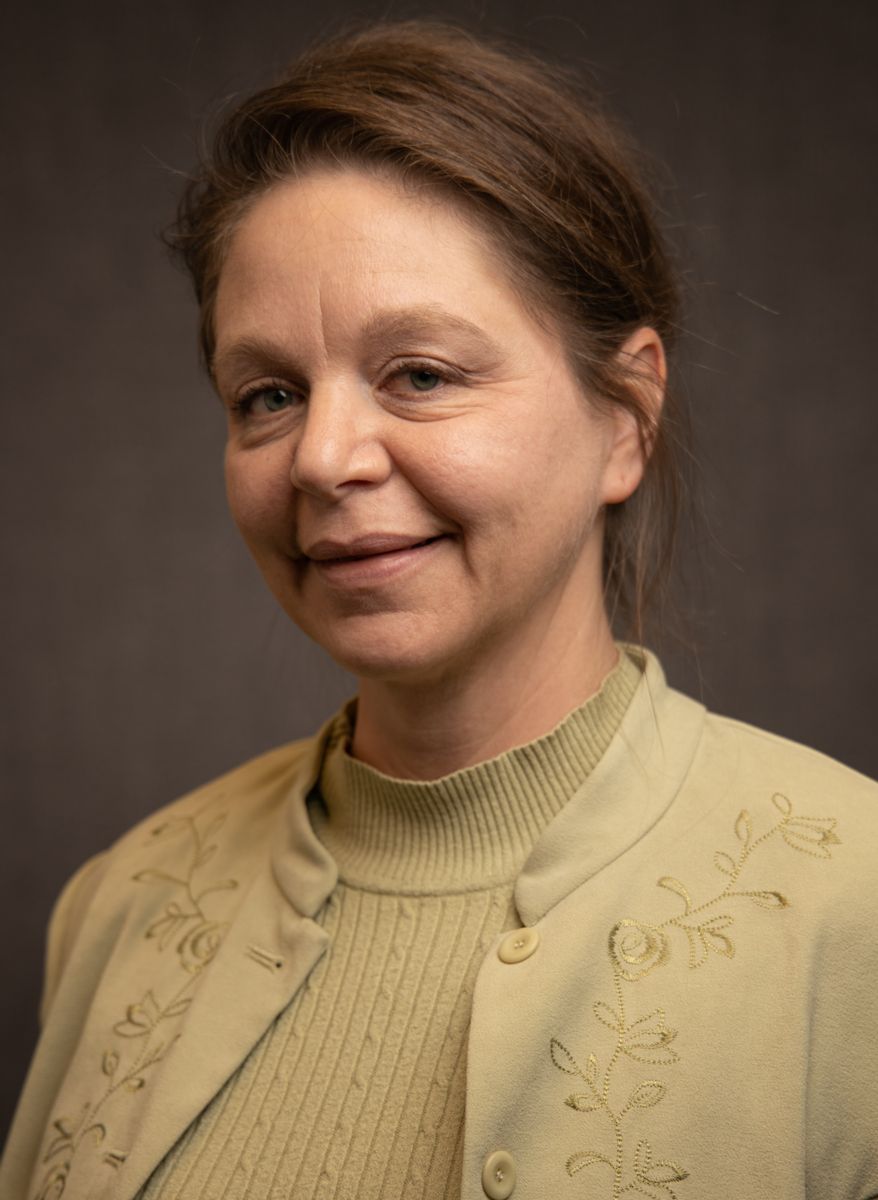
[(259, 494)]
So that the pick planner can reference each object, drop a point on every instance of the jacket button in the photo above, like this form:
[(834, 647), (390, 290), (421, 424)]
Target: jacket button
[(518, 945), (498, 1175)]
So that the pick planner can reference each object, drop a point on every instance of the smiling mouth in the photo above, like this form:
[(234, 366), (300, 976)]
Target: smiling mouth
[(353, 558), (329, 552), (375, 567)]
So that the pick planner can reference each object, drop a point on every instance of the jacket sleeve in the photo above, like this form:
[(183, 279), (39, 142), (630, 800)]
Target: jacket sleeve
[(65, 923)]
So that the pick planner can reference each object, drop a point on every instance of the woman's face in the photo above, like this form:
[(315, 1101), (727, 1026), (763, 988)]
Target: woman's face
[(409, 459)]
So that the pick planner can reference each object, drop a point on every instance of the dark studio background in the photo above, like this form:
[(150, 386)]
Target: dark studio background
[(142, 654)]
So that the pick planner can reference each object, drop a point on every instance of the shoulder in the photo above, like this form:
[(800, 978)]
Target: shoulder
[(247, 797), (788, 797), (227, 823), (751, 757)]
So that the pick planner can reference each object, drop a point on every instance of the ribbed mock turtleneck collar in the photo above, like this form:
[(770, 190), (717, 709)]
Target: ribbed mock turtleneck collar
[(469, 830)]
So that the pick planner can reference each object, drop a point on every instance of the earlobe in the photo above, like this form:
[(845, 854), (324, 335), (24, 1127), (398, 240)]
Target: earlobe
[(642, 358)]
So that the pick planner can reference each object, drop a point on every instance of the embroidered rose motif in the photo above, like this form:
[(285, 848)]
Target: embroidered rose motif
[(200, 944), (636, 948)]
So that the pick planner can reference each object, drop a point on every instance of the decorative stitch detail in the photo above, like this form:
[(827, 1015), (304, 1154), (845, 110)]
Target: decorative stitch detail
[(144, 1031), (635, 949), (265, 958)]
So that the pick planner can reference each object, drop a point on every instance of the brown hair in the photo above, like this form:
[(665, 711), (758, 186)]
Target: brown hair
[(549, 178)]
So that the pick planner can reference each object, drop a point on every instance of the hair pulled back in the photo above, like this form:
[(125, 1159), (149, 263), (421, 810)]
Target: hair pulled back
[(535, 162)]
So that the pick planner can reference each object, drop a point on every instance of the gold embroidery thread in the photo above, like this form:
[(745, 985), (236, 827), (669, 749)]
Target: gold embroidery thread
[(636, 948), (143, 1034)]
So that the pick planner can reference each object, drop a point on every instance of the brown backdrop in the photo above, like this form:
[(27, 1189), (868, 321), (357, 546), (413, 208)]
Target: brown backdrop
[(141, 655)]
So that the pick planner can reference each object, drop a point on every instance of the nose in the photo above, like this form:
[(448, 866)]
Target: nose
[(339, 443)]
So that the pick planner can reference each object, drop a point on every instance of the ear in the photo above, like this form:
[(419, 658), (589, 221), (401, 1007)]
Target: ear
[(643, 356)]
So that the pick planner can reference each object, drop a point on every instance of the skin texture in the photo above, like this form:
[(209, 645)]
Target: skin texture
[(393, 382)]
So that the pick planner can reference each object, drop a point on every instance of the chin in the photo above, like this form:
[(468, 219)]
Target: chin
[(391, 655)]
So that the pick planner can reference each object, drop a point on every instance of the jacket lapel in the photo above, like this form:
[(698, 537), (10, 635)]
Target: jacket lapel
[(266, 957), (267, 954)]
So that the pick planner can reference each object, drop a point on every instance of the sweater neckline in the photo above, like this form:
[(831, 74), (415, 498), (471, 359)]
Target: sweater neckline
[(472, 829)]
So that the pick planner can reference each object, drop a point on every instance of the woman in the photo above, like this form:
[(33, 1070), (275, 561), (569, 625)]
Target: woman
[(520, 920)]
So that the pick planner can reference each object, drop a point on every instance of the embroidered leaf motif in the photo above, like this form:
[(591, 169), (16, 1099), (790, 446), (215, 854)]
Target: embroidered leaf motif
[(605, 1015), (713, 939), (665, 1172), (743, 828), (708, 936), (176, 1010), (166, 927), (133, 1026), (585, 1158), (583, 1102), (224, 885), (206, 855), (651, 1043), (54, 1183), (115, 1158), (768, 899), (64, 1139), (139, 1018), (674, 885), (782, 804), (152, 875), (110, 1062), (724, 862), (97, 1131), (56, 1146), (646, 1094), (214, 826), (171, 826), (563, 1059), (591, 1069), (659, 1173)]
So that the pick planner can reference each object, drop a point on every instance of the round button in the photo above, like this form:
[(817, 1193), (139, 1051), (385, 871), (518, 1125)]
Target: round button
[(518, 945), (498, 1175)]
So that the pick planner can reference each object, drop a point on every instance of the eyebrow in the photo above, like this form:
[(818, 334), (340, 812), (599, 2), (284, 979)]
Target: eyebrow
[(383, 330)]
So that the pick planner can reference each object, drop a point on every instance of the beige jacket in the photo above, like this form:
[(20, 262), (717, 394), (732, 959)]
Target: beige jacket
[(693, 1014)]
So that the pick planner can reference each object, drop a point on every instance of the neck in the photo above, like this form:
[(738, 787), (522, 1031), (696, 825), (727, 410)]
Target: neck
[(427, 732)]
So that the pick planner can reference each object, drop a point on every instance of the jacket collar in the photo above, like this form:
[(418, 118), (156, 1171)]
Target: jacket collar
[(625, 795)]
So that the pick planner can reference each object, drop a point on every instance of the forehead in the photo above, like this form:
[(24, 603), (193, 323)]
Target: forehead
[(329, 223), (338, 247)]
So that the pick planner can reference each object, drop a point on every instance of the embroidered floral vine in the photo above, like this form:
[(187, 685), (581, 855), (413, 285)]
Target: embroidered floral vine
[(147, 1029), (635, 949)]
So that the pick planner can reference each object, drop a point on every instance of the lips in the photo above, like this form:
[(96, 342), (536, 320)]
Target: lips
[(367, 546)]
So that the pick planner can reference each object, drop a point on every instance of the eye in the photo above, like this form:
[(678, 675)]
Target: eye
[(266, 400), (408, 378), (274, 398), (423, 380)]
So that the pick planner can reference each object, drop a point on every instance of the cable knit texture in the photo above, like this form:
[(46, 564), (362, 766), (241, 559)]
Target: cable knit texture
[(357, 1090)]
